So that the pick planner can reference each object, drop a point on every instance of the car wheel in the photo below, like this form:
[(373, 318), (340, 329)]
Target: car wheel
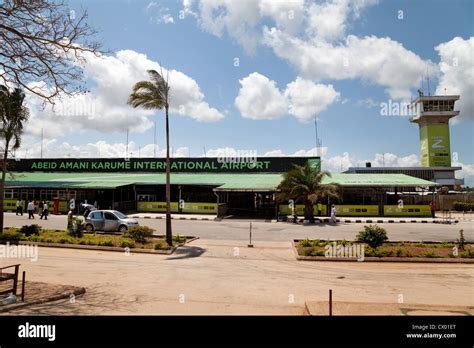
[(122, 228), (89, 228)]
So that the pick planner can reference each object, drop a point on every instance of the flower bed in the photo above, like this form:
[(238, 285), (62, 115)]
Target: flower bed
[(317, 247)]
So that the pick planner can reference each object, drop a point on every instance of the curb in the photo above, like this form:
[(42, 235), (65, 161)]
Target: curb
[(381, 259), (106, 248), (63, 295), (373, 221), (175, 218)]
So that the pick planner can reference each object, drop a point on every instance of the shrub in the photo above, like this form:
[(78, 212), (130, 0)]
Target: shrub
[(139, 234), (107, 242), (162, 245), (305, 243), (127, 243), (76, 227), (318, 252), (9, 235), (29, 230), (461, 240), (431, 254), (372, 235), (179, 239), (462, 206), (467, 253), (399, 252)]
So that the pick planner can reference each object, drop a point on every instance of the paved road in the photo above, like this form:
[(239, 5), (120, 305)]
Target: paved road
[(209, 277), (280, 231)]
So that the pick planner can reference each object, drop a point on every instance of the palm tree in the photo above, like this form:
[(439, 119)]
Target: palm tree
[(13, 114), (304, 184), (150, 95)]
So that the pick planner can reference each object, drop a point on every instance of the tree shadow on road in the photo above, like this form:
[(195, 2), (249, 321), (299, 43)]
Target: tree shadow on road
[(186, 252)]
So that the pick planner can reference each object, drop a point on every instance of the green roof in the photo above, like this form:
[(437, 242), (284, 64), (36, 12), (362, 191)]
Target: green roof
[(247, 181)]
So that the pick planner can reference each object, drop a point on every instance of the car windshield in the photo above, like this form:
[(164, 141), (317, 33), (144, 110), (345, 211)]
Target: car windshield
[(120, 215)]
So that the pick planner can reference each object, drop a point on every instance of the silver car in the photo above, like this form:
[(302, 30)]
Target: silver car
[(108, 220)]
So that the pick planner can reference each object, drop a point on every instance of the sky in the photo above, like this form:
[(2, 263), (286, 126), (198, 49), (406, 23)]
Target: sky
[(253, 75)]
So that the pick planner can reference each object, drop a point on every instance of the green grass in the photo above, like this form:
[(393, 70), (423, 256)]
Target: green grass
[(93, 239)]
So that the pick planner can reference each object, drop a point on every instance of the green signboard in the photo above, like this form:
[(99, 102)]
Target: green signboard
[(435, 147), (179, 165)]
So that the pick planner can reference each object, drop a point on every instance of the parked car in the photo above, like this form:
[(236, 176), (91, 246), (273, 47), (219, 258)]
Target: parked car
[(108, 220), (85, 209)]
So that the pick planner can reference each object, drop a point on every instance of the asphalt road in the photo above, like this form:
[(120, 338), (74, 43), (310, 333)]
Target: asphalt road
[(279, 231)]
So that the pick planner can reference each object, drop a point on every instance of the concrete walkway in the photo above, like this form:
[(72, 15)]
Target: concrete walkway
[(352, 219)]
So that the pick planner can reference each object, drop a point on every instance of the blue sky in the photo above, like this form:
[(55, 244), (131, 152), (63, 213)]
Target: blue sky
[(349, 123)]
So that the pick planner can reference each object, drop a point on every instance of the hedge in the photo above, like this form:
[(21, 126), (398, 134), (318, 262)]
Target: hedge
[(462, 206)]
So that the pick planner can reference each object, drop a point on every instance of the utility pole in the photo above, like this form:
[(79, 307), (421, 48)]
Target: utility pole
[(318, 141), (154, 140), (41, 143), (126, 146)]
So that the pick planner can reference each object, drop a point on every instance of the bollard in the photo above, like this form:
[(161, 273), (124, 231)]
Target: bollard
[(23, 287), (250, 245), (330, 302)]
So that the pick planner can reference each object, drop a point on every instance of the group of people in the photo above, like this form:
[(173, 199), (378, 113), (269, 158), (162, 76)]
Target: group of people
[(31, 207)]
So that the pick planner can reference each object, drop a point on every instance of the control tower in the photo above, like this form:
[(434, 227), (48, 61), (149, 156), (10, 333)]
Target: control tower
[(432, 114)]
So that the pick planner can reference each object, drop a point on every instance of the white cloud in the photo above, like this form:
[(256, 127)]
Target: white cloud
[(52, 148), (457, 74), (367, 103), (288, 15), (259, 98), (236, 18), (380, 61), (241, 20), (328, 21), (341, 163), (159, 14), (105, 108), (307, 99)]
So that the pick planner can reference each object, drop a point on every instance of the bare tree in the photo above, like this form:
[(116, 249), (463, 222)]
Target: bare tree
[(42, 47)]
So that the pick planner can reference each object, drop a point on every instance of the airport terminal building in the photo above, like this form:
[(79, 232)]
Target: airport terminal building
[(200, 185), (245, 188)]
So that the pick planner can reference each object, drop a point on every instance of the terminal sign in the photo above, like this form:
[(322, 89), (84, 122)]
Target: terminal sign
[(184, 165)]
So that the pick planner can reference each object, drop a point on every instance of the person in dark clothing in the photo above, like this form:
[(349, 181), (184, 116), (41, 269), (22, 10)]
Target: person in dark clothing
[(433, 209)]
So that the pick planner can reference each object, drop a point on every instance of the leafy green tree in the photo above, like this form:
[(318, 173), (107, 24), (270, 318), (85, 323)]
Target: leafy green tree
[(304, 184), (13, 115), (152, 95)]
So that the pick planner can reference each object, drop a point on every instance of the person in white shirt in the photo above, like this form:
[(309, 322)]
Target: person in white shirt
[(30, 208), (19, 207), (44, 213), (333, 214)]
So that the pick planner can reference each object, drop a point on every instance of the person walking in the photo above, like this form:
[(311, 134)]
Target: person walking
[(30, 208), (40, 208), (333, 214), (44, 212), (433, 209), (19, 207)]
